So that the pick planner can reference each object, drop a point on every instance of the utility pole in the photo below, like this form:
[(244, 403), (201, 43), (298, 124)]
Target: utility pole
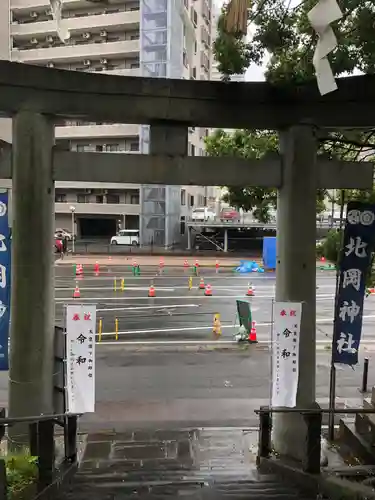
[(296, 270), (32, 299)]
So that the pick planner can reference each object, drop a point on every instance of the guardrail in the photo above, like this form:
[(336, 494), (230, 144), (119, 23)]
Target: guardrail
[(42, 446), (313, 419)]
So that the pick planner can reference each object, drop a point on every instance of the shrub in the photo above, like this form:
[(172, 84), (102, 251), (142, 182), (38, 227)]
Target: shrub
[(22, 470), (332, 246)]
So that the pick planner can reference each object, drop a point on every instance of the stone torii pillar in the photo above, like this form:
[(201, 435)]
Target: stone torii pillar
[(32, 299), (296, 270)]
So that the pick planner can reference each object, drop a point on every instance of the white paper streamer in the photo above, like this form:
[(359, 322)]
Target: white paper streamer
[(321, 16), (56, 7)]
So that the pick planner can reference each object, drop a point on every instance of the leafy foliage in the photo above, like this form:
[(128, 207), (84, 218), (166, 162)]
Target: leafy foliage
[(284, 31), (252, 145), (21, 470)]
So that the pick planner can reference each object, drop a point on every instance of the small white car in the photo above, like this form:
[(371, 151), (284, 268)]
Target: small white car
[(126, 237), (203, 214)]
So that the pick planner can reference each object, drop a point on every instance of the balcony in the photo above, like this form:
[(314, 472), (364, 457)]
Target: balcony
[(122, 72), (111, 22), (96, 131), (42, 4), (70, 53), (98, 208)]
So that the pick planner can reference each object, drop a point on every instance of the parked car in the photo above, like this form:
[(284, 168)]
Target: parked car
[(203, 214), (126, 237), (230, 215), (63, 233)]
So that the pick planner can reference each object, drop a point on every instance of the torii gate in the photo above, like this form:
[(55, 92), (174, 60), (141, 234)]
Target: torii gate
[(33, 96)]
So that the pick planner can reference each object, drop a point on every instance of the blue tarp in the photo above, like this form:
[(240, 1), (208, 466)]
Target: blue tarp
[(249, 266), (269, 252)]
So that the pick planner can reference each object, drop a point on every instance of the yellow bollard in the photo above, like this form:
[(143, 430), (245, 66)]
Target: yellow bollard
[(122, 284), (115, 284), (100, 329), (190, 283), (216, 329), (116, 328)]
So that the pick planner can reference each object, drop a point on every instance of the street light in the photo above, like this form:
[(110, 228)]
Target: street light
[(73, 209)]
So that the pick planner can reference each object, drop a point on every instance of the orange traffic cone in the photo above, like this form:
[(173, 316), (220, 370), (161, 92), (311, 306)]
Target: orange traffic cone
[(186, 264), (201, 284), (161, 262), (217, 266), (208, 291), (96, 268), (76, 293), (196, 263), (253, 333), (151, 291), (250, 291)]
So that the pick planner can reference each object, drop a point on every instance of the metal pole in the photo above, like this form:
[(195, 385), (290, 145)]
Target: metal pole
[(365, 375), (332, 399), (32, 301), (73, 233), (123, 221), (225, 240)]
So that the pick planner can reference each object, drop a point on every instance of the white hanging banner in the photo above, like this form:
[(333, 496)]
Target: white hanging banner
[(56, 7), (285, 353), (321, 16), (80, 358)]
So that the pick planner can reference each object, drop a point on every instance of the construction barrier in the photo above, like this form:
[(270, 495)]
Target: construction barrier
[(122, 284), (115, 284), (190, 283)]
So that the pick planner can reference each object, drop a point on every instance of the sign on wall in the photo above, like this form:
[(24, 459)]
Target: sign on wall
[(5, 255), (80, 354), (285, 353), (358, 245)]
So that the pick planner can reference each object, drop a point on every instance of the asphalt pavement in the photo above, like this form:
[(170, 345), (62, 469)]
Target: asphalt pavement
[(168, 370), (184, 316)]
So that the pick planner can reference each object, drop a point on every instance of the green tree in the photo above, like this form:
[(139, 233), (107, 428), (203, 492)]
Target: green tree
[(285, 33), (252, 145)]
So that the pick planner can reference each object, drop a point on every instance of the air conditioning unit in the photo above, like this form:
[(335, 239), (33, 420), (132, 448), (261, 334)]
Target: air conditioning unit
[(103, 33), (49, 39), (103, 61), (50, 65), (86, 35), (33, 14), (87, 62), (34, 41)]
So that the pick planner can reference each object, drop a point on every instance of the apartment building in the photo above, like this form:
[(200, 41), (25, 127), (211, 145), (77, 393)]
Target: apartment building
[(157, 38)]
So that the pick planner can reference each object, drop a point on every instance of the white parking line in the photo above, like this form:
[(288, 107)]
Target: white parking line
[(181, 297), (136, 308), (209, 327)]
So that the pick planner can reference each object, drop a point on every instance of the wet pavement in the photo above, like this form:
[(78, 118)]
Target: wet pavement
[(201, 463), (181, 315)]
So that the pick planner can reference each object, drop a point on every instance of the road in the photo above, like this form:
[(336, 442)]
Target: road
[(185, 316), (167, 370)]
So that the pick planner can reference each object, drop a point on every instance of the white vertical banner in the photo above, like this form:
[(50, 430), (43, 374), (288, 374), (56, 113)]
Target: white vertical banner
[(80, 358), (285, 353)]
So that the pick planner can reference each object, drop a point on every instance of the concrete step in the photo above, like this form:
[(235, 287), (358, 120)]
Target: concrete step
[(264, 489)]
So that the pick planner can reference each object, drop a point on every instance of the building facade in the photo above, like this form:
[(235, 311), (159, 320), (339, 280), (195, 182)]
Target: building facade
[(157, 38)]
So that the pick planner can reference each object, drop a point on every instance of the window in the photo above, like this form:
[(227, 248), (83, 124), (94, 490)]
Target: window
[(60, 198), (83, 198), (112, 147), (191, 201), (134, 199), (185, 59), (134, 65), (99, 148), (192, 150), (183, 197), (99, 198), (134, 146), (83, 147), (113, 198), (194, 72)]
